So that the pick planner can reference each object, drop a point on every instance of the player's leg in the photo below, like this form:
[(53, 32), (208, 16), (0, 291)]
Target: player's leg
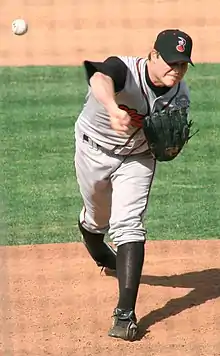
[(131, 187), (92, 171), (101, 252)]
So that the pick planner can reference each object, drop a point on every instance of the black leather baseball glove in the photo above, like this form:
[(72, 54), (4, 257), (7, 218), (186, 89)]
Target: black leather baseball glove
[(167, 132)]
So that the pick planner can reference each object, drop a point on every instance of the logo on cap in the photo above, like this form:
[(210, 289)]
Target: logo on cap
[(181, 44)]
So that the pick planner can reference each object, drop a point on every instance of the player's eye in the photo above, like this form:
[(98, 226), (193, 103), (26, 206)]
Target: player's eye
[(181, 65)]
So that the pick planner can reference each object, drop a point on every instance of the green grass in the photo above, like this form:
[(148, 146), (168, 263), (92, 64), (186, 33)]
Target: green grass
[(40, 197)]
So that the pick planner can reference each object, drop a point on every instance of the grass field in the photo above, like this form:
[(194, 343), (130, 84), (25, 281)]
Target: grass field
[(40, 198)]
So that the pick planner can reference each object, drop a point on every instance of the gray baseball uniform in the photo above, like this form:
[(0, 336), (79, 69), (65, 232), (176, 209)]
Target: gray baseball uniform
[(114, 172)]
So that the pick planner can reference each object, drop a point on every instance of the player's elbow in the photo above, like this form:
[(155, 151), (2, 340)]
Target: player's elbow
[(99, 78)]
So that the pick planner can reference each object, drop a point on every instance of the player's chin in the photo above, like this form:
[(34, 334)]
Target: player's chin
[(171, 81)]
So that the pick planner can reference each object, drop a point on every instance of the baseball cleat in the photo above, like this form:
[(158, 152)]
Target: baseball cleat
[(124, 325)]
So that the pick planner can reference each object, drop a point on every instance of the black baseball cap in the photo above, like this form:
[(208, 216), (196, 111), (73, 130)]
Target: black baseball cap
[(174, 46)]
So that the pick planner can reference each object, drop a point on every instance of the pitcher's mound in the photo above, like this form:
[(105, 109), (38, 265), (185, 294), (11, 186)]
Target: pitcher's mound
[(54, 301)]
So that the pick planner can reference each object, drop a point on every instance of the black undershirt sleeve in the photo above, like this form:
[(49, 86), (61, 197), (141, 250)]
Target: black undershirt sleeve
[(113, 66)]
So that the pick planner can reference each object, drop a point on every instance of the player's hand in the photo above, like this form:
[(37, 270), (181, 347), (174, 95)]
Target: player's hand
[(120, 121)]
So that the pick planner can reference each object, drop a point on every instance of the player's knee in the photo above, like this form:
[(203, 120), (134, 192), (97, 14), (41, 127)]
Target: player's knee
[(126, 235), (96, 226), (95, 229)]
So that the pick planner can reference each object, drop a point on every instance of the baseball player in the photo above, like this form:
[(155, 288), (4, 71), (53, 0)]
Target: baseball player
[(114, 166)]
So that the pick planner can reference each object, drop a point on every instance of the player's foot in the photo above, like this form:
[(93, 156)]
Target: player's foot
[(124, 325)]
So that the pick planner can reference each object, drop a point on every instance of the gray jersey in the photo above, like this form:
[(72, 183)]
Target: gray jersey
[(139, 100)]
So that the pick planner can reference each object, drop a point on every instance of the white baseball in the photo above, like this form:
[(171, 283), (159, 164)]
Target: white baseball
[(19, 27)]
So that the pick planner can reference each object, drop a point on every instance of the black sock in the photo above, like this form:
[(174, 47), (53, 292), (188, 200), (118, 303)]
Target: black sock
[(92, 239), (98, 250), (130, 259)]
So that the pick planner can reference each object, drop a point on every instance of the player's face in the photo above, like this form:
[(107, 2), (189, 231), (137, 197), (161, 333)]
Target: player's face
[(167, 74), (171, 74)]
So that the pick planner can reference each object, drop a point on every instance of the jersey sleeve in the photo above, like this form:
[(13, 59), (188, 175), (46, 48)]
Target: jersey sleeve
[(114, 67)]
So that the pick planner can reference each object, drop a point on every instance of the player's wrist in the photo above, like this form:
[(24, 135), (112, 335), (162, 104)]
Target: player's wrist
[(111, 108)]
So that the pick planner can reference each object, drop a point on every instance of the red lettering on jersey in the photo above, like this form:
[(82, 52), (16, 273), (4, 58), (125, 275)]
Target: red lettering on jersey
[(136, 119)]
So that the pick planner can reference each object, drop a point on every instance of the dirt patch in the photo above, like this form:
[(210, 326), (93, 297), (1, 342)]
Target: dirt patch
[(67, 32), (56, 302)]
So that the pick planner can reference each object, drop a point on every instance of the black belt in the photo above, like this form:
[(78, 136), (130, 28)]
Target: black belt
[(90, 141), (97, 146)]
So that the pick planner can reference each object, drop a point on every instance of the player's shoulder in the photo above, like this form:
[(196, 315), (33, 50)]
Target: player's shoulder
[(182, 99), (130, 61), (184, 88)]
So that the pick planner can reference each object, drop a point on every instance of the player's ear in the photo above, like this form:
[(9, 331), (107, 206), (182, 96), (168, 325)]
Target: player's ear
[(154, 55)]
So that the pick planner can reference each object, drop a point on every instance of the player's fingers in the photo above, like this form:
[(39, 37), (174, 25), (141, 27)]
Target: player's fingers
[(120, 129), (126, 120), (119, 126), (121, 133)]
